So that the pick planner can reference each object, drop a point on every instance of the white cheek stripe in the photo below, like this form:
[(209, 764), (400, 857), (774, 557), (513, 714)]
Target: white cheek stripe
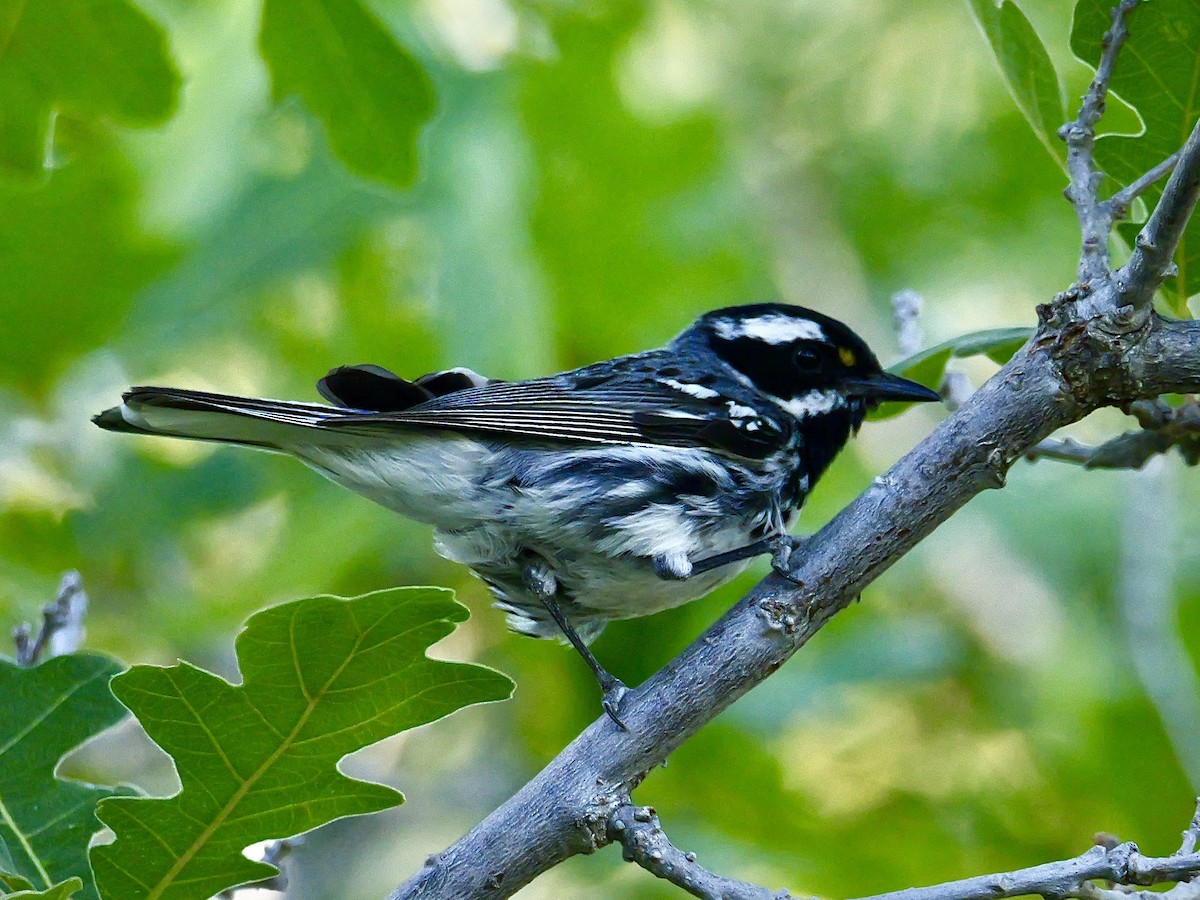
[(813, 403), (770, 329)]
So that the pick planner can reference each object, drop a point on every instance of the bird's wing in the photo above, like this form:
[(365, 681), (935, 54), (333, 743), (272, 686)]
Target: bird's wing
[(565, 408), (375, 389)]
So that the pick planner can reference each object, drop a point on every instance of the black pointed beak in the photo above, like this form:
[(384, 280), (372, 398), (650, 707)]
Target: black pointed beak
[(886, 386)]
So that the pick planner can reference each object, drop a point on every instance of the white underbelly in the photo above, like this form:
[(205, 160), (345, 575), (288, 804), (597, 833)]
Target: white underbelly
[(612, 577), (619, 589), (431, 478)]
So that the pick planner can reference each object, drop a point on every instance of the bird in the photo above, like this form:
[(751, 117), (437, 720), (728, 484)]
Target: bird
[(610, 491)]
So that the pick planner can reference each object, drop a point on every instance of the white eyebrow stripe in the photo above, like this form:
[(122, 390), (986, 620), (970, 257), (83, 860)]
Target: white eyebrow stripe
[(770, 329)]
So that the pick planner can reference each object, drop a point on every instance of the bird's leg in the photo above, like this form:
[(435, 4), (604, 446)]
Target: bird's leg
[(543, 585), (758, 548), (780, 547)]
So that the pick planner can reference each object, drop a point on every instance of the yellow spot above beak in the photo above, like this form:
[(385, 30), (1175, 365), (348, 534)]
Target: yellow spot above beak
[(848, 357)]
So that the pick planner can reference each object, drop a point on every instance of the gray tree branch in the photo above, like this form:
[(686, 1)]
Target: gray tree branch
[(639, 832), (1123, 864), (1156, 244), (1164, 428), (1094, 347)]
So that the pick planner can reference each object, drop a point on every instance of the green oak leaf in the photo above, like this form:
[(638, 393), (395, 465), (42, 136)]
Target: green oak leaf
[(1027, 68), (50, 709), (91, 58), (1157, 72), (322, 677), (62, 891), (352, 74), (928, 367)]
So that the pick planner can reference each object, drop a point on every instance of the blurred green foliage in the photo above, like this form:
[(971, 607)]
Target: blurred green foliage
[(370, 93), (92, 59), (596, 173)]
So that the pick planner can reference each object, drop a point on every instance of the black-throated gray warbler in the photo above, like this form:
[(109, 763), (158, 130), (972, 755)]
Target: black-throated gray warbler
[(608, 492)]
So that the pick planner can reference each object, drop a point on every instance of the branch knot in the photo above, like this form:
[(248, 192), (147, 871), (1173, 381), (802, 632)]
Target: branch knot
[(1091, 352)]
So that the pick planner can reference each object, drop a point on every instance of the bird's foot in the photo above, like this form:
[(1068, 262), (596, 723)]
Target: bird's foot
[(614, 692), (672, 567), (783, 548)]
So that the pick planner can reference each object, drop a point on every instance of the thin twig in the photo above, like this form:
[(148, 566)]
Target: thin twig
[(1131, 450), (1095, 217), (1063, 449), (1119, 203), (62, 624), (640, 834), (1163, 428), (1123, 865), (1095, 100)]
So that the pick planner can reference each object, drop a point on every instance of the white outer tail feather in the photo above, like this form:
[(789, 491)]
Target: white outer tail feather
[(269, 424)]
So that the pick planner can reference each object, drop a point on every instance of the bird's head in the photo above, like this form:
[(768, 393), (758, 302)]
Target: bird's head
[(805, 362)]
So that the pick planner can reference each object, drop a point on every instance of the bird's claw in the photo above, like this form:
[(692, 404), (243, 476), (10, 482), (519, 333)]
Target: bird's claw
[(614, 693), (781, 554)]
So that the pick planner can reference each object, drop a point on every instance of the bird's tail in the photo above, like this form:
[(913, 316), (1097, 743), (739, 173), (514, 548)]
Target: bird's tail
[(173, 412)]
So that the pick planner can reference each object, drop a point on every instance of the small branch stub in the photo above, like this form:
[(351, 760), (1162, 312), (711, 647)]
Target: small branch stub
[(62, 629), (1119, 203), (639, 832)]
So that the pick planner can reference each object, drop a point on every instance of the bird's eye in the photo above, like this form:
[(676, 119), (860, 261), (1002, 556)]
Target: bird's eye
[(807, 359)]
